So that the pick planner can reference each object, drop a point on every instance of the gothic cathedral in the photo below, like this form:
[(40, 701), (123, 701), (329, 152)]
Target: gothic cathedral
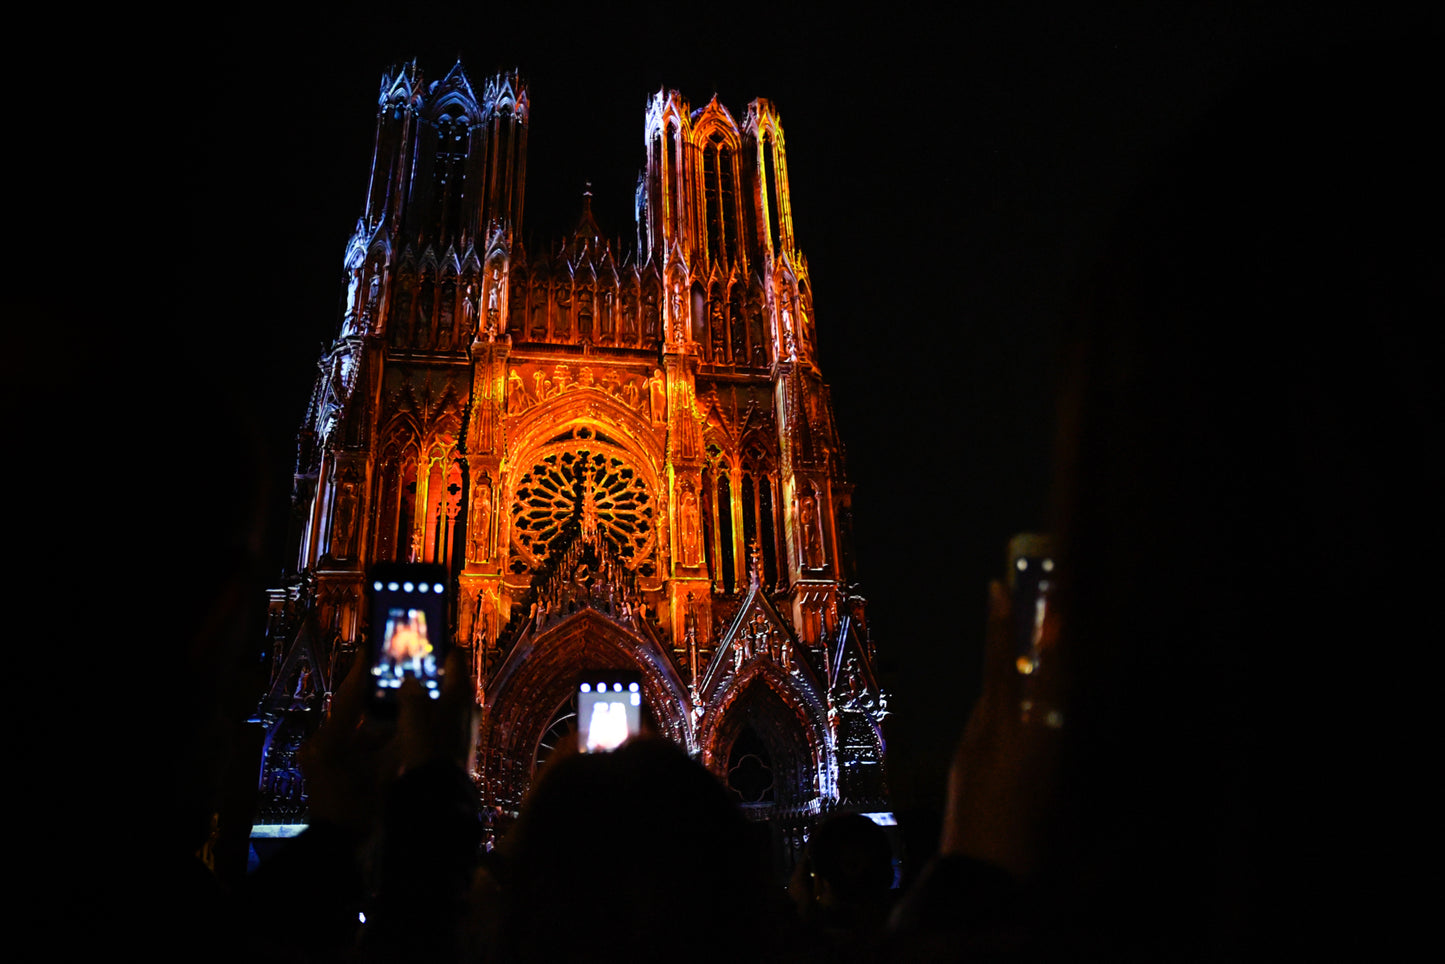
[(625, 457)]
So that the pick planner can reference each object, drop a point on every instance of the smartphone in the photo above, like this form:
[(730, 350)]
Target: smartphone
[(1032, 584), (609, 710), (409, 635)]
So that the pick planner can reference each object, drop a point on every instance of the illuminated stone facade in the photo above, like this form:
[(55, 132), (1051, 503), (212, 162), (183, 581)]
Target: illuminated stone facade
[(627, 457)]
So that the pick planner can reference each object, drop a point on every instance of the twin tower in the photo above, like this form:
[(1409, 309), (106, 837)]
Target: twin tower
[(625, 457)]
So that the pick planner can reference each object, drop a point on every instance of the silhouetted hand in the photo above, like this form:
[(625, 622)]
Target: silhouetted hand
[(349, 763), (430, 730), (1005, 770)]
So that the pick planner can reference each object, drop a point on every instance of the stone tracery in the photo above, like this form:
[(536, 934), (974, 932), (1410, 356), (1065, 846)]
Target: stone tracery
[(581, 477)]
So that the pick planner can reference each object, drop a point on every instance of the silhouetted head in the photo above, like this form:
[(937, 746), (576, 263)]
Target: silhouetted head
[(623, 855), (851, 859)]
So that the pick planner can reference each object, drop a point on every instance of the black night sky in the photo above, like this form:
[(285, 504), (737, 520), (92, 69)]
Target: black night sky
[(954, 179)]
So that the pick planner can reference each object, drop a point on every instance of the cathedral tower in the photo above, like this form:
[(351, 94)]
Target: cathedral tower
[(627, 459)]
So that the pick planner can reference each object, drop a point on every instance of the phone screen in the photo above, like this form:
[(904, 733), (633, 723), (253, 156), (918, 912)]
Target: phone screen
[(408, 628), (1032, 578), (609, 710)]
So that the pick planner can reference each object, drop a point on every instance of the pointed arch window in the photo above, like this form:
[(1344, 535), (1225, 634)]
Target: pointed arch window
[(773, 195), (449, 171), (725, 530), (727, 189), (766, 520), (719, 197)]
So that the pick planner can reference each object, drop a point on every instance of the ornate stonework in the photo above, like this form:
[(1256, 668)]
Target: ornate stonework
[(626, 457)]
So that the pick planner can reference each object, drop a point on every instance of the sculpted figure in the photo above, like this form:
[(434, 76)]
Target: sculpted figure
[(719, 334), (606, 323), (345, 520), (352, 283), (516, 394), (373, 293), (482, 518), (649, 316), (469, 308), (658, 395), (584, 313), (689, 527), (589, 509), (678, 318), (629, 316), (808, 517), (564, 310)]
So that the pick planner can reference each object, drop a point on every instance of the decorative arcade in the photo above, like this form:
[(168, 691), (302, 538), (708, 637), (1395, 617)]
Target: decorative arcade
[(625, 455)]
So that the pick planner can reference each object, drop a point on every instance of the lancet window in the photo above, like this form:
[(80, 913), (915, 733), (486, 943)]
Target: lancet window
[(725, 532), (772, 196), (449, 172), (419, 500), (719, 175), (760, 522), (670, 176)]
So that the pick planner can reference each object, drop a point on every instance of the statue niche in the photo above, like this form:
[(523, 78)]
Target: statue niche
[(563, 327), (584, 314), (810, 523), (688, 510), (629, 315), (517, 308), (479, 546)]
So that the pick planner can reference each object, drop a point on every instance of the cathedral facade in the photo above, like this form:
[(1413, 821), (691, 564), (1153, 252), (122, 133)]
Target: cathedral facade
[(624, 455)]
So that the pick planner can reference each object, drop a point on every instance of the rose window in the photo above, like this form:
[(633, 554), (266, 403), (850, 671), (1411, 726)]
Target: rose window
[(579, 487)]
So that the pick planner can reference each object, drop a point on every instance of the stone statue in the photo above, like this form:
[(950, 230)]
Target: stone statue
[(564, 309), (808, 518), (689, 527), (606, 323), (516, 394), (345, 527), (658, 395), (373, 292), (482, 515), (679, 327), (649, 316), (589, 508), (629, 316), (353, 282)]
